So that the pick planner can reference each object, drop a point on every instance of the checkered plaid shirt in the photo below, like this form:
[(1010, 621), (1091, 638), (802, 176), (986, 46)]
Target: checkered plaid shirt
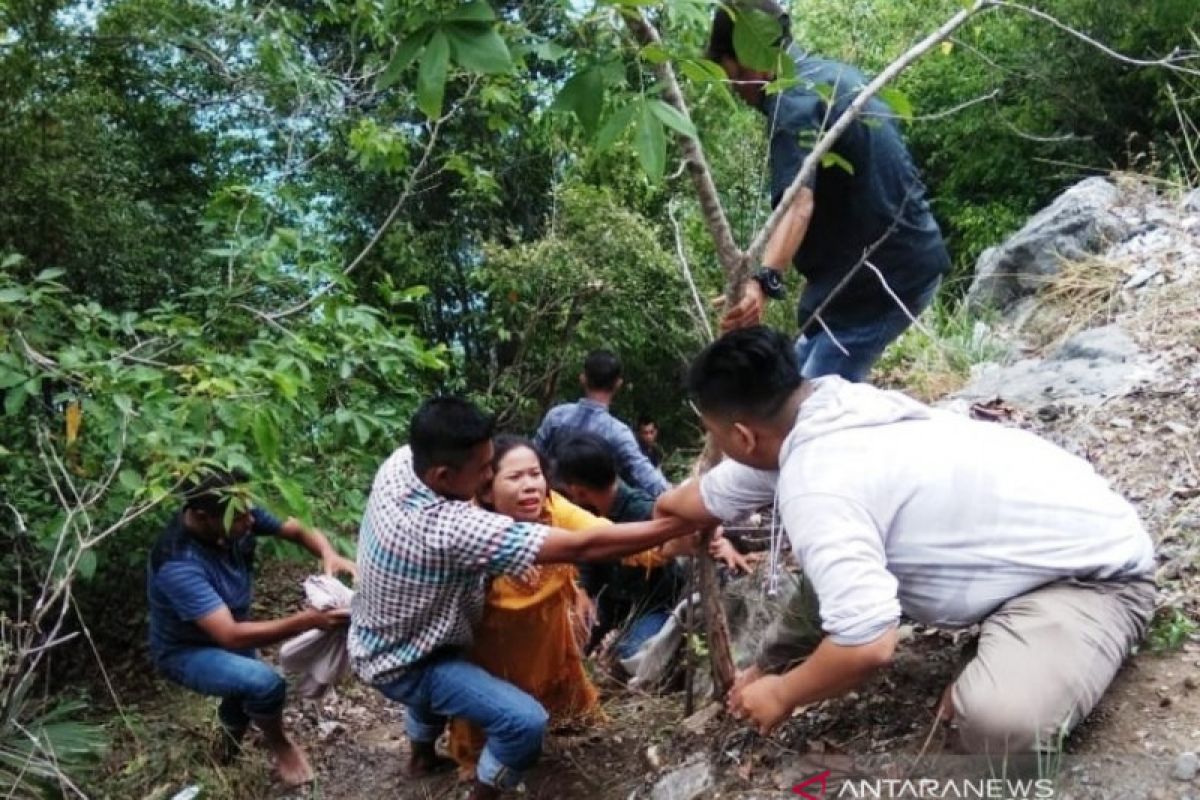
[(423, 565)]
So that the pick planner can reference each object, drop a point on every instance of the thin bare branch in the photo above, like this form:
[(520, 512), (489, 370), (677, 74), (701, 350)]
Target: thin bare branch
[(698, 313)]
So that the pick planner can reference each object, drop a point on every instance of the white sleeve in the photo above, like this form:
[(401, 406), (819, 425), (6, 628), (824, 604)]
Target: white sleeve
[(840, 548), (732, 491)]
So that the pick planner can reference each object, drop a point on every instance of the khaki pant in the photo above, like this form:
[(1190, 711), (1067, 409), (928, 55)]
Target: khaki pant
[(1044, 659)]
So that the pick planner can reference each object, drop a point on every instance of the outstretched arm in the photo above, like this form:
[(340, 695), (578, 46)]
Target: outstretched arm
[(316, 543), (609, 542)]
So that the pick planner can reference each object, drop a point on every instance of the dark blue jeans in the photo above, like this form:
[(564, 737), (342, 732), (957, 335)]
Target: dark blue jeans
[(250, 690), (864, 340), (444, 687), (639, 631)]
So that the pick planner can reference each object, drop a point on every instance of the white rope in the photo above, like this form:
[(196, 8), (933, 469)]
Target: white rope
[(775, 557)]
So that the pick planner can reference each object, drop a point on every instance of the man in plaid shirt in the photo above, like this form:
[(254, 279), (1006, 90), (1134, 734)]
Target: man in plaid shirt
[(425, 554)]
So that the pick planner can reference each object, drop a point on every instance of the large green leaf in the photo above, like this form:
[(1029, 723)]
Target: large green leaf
[(471, 11), (672, 118), (616, 124), (431, 78), (651, 142), (899, 102), (479, 48), (755, 39), (402, 56), (583, 94)]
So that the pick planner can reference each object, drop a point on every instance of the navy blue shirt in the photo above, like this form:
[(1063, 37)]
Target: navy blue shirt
[(882, 199), (188, 579)]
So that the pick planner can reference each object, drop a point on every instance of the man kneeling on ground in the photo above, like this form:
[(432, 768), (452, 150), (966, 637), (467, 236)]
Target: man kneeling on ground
[(200, 583), (426, 553), (894, 507)]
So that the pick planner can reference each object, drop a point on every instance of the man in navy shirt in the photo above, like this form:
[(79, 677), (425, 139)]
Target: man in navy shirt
[(866, 205), (200, 585)]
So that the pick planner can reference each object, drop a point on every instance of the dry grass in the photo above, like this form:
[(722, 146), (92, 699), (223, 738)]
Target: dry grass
[(1081, 295)]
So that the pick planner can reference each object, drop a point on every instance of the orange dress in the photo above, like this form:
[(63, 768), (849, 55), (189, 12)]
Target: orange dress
[(530, 636)]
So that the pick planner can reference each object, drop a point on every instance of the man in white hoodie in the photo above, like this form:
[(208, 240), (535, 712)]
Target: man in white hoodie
[(895, 508)]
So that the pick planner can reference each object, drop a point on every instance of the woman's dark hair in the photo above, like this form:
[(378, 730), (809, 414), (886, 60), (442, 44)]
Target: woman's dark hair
[(444, 431), (720, 39), (746, 373)]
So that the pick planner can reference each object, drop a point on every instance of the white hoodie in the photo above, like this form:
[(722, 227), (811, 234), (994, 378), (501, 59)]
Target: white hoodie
[(893, 506)]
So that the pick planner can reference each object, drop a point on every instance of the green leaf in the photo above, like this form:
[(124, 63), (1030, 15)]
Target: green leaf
[(14, 295), (123, 403), (362, 431), (899, 102), (129, 480), (655, 53), (549, 51), (479, 48), (50, 274), (615, 126), (583, 94), (402, 56), (293, 496), (672, 118), (651, 142), (431, 78), (701, 70), (266, 435), (471, 11), (755, 39), (14, 400), (86, 564), (832, 159), (11, 260)]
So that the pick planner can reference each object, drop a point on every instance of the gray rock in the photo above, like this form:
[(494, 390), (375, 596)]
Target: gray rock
[(1191, 201), (1077, 224), (1186, 766), (1089, 367), (1107, 343), (690, 781)]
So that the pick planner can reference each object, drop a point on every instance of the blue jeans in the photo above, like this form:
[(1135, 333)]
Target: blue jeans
[(250, 690), (640, 630), (445, 687), (864, 340)]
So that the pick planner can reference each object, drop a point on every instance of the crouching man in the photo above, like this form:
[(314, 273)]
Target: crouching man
[(893, 507), (425, 555), (200, 585)]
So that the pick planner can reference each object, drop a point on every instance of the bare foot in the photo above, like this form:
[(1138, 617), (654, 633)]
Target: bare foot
[(292, 764)]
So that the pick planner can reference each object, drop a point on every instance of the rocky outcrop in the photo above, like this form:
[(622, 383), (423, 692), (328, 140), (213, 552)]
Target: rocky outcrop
[(1079, 223)]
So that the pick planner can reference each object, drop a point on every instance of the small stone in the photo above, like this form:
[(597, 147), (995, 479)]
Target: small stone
[(1189, 683), (1186, 766), (654, 757)]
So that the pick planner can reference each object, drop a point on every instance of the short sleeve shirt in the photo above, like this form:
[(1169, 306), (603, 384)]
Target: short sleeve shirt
[(189, 579), (423, 565)]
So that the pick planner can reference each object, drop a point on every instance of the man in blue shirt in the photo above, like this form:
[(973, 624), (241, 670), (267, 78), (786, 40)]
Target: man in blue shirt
[(200, 586), (601, 378), (866, 205)]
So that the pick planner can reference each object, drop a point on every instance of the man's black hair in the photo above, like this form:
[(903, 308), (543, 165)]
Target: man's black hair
[(601, 370), (212, 492), (747, 373), (445, 430), (720, 39), (646, 419), (585, 459)]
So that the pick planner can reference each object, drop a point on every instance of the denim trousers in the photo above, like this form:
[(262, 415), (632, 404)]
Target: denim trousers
[(863, 340), (641, 629), (250, 689), (446, 686)]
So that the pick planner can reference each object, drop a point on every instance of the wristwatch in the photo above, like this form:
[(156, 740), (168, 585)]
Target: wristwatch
[(771, 282)]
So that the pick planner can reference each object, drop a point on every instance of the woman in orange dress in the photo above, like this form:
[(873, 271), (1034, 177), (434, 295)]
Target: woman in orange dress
[(534, 627)]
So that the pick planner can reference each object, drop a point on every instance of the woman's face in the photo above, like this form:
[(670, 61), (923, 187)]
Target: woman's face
[(519, 488)]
